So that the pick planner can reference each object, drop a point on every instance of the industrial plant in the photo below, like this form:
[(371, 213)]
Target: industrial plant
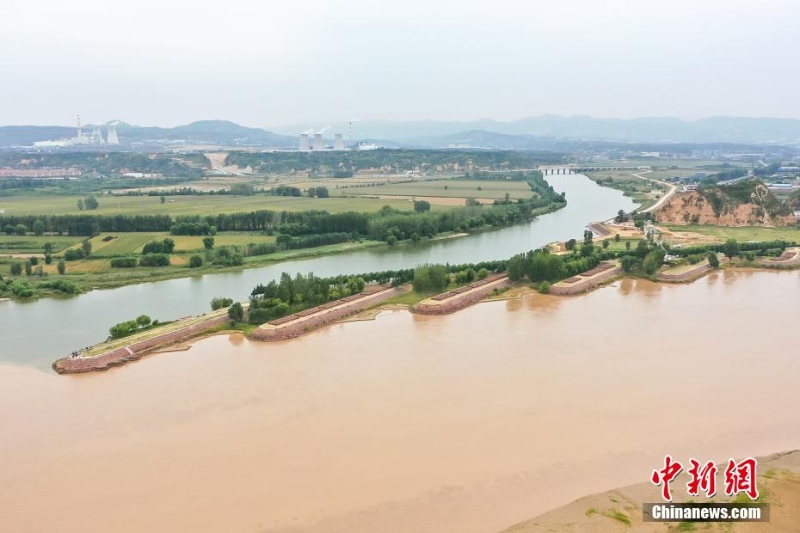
[(311, 141), (83, 139)]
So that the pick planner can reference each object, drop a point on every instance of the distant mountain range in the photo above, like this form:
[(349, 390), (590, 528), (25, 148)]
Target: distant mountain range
[(646, 130), (534, 133)]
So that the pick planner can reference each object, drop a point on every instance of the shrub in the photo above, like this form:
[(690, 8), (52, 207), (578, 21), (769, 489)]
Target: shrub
[(195, 261), (74, 254), (236, 312), (154, 260), (219, 303), (62, 286), (22, 289), (544, 287), (159, 247), (431, 278), (123, 262)]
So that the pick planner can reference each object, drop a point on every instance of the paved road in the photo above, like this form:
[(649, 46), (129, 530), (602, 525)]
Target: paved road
[(664, 199)]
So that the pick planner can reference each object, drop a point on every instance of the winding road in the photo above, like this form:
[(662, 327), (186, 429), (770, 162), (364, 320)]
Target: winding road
[(664, 199)]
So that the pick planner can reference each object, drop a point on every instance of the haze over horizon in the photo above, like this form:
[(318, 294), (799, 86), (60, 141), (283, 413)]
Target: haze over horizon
[(270, 66)]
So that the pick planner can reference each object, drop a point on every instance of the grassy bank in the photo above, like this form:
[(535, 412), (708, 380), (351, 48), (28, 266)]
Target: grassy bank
[(642, 191), (742, 233)]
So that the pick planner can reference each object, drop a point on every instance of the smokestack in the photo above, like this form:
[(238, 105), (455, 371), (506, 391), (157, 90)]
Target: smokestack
[(338, 142), (318, 146), (304, 147)]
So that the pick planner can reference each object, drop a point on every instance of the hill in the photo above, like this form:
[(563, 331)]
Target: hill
[(214, 132), (747, 203)]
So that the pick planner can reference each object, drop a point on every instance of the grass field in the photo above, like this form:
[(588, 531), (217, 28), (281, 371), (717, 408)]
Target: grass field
[(23, 244), (190, 205), (132, 243), (491, 189), (743, 234)]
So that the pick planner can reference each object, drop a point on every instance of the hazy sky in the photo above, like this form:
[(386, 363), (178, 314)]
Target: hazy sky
[(268, 63)]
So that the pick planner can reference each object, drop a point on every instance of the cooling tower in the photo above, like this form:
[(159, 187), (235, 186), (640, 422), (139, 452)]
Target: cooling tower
[(97, 137), (318, 146), (304, 147), (338, 142), (112, 134)]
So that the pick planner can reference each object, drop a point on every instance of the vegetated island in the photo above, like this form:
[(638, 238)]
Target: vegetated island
[(293, 306)]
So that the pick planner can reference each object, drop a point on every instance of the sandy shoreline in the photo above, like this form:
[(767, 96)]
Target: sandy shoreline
[(621, 509)]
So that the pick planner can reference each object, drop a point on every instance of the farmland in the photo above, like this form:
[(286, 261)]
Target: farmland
[(30, 244), (191, 205), (741, 233), (461, 188), (132, 243)]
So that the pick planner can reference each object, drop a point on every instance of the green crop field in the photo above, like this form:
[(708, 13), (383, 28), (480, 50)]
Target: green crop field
[(461, 188), (190, 205), (743, 233), (30, 244), (132, 243)]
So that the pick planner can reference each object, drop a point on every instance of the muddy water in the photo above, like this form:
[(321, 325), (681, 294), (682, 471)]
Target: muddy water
[(468, 423)]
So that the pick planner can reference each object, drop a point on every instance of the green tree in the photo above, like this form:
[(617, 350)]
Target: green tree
[(80, 204), (163, 199), (653, 261), (627, 245), (9, 229), (642, 249), (143, 321), (606, 243), (195, 261), (16, 268), (731, 248), (86, 246), (713, 260), (38, 227), (431, 278), (516, 267), (62, 267), (616, 237), (587, 237), (208, 243), (91, 203), (20, 229), (421, 206), (28, 267), (570, 244), (391, 239), (236, 312), (628, 262)]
